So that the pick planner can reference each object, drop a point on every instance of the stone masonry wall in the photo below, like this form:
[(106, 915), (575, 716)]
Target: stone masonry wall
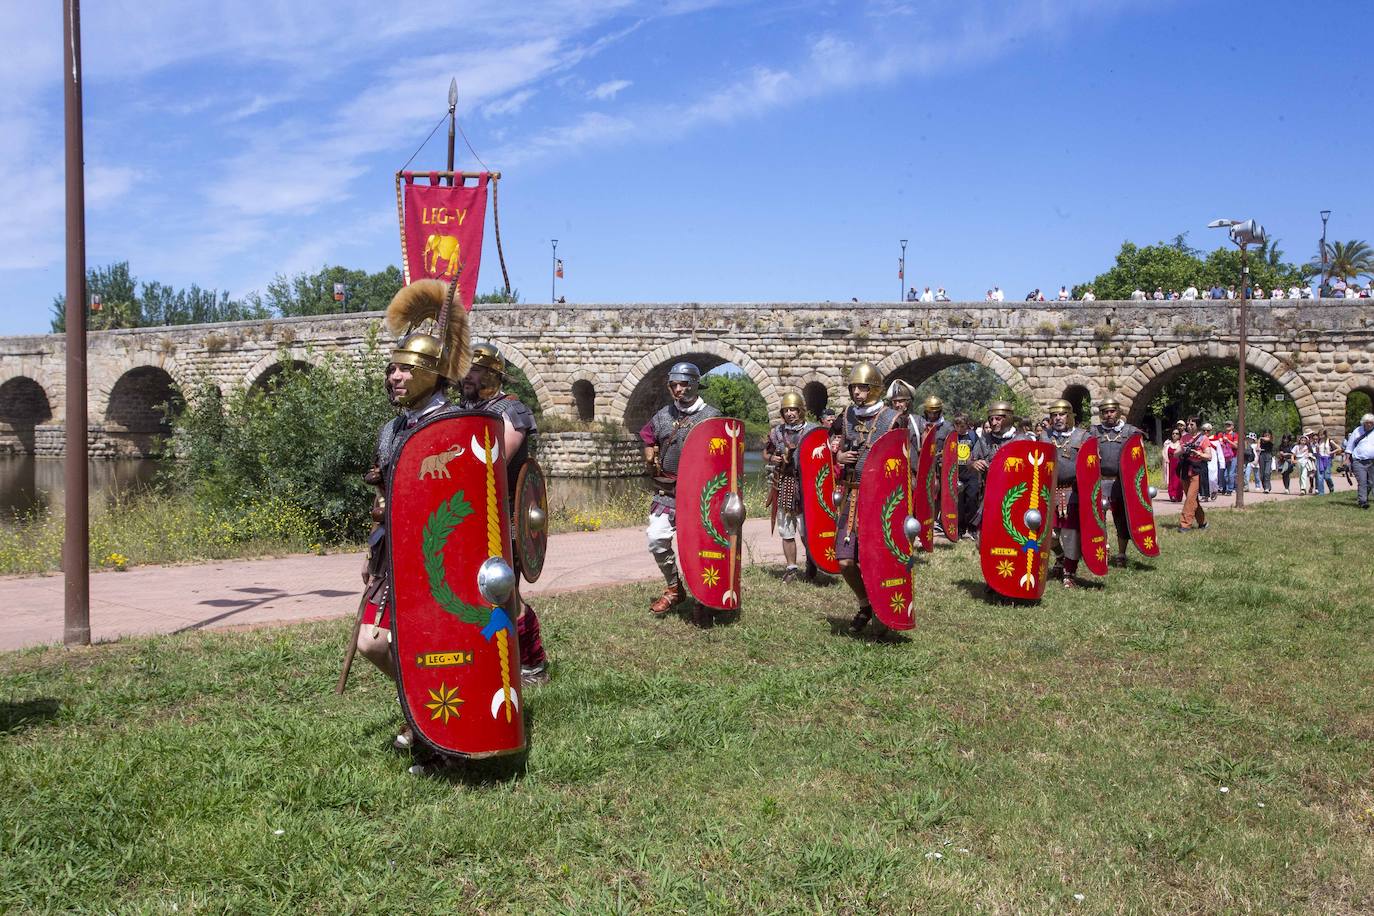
[(1318, 351)]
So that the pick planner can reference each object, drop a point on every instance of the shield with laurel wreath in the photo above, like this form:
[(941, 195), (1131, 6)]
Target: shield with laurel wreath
[(1092, 512), (1140, 507), (710, 511), (886, 501), (949, 488), (819, 512), (458, 660), (927, 490), (1017, 511)]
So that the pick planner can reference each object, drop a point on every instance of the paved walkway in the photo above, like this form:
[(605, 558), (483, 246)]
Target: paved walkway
[(239, 593)]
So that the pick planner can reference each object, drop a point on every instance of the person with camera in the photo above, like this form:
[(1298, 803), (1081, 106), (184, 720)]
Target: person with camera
[(1194, 458)]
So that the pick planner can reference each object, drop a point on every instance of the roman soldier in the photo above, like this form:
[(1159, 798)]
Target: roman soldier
[(970, 480), (899, 397), (483, 389), (932, 422), (663, 437), (851, 437), (784, 493), (933, 417), (1001, 430), (418, 377), (1112, 432), (1067, 439)]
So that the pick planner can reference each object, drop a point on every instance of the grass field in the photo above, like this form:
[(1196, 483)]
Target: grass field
[(1197, 737)]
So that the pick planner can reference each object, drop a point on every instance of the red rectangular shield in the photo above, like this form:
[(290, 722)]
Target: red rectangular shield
[(458, 660), (949, 487), (1012, 550), (1092, 515), (441, 230), (1140, 508), (819, 510), (886, 498), (710, 473), (927, 491)]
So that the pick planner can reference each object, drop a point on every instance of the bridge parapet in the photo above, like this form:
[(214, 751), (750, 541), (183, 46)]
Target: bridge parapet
[(616, 354)]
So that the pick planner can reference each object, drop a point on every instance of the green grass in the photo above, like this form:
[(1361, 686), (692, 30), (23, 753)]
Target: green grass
[(1001, 758)]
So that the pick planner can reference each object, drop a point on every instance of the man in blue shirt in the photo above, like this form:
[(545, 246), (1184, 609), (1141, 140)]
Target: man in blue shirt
[(1359, 445)]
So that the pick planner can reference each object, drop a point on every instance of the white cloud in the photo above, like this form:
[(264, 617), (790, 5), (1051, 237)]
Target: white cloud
[(609, 90), (511, 104)]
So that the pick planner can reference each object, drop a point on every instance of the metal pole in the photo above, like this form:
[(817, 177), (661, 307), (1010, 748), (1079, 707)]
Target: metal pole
[(76, 629), (901, 285), (1321, 290), (553, 275), (1240, 402), (452, 123)]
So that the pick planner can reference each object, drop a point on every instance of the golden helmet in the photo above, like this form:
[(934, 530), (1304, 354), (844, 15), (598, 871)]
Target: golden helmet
[(932, 404), (1061, 406), (792, 399), (486, 357), (1108, 403), (428, 357), (1001, 409), (865, 374)]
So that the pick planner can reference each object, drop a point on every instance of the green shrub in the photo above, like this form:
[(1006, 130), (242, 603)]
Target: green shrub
[(293, 453)]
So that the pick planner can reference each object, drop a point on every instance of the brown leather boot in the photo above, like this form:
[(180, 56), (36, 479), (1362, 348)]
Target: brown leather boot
[(667, 601)]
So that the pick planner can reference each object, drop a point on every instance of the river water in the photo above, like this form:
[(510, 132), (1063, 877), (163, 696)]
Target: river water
[(33, 487)]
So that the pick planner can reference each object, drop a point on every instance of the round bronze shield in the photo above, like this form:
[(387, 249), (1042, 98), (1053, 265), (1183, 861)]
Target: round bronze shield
[(531, 520)]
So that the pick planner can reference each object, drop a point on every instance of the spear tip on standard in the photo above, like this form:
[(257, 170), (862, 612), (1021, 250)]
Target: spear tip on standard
[(453, 94)]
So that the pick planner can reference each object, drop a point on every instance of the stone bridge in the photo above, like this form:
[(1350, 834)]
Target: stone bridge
[(608, 362)]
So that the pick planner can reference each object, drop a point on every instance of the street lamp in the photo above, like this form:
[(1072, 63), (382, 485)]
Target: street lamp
[(901, 275), (1321, 290), (1244, 233), (553, 272)]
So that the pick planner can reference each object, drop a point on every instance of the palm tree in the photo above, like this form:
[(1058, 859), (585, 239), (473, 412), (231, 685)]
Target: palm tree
[(1346, 260)]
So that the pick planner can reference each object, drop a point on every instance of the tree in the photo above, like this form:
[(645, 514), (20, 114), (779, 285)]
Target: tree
[(1347, 260), (124, 305), (313, 293), (1176, 266), (498, 294), (965, 388)]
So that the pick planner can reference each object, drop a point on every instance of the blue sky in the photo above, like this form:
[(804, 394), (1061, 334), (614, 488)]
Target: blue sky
[(686, 151)]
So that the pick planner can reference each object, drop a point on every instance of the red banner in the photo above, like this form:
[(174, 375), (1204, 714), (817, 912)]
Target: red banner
[(441, 230)]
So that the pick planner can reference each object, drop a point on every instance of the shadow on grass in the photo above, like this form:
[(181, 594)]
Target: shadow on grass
[(874, 632), (17, 717)]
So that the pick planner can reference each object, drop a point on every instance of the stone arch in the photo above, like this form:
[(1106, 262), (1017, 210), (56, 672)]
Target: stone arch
[(1142, 384), (24, 405), (139, 410), (584, 400), (513, 356), (918, 361), (643, 391), (1352, 387), (273, 364)]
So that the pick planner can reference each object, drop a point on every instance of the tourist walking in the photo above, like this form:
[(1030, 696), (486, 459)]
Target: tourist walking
[(1324, 449), (1266, 459), (1306, 463), (1286, 465), (1359, 450), (1173, 482), (1197, 455)]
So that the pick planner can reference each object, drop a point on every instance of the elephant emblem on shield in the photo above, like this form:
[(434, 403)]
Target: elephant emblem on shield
[(441, 248)]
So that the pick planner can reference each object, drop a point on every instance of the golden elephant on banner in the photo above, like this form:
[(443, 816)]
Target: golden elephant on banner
[(441, 248)]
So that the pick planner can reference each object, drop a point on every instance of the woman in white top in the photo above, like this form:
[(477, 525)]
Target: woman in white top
[(1302, 457)]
